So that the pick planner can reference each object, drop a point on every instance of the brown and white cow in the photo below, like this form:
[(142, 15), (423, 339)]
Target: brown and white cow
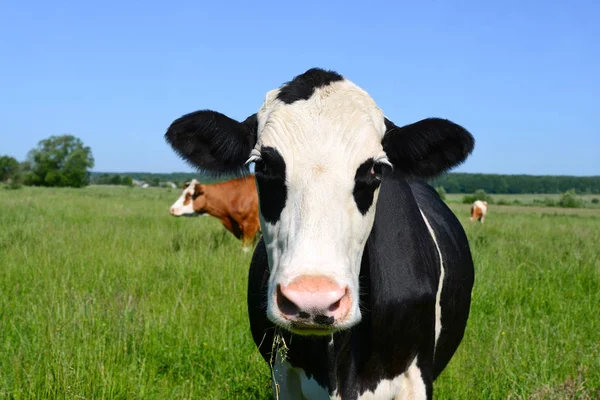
[(234, 203), (479, 210)]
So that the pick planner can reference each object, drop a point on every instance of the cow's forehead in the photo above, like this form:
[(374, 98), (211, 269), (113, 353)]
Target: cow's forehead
[(339, 116), (191, 187)]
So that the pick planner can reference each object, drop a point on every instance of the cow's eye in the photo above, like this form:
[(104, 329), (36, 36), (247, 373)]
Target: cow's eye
[(377, 171), (264, 169), (260, 167), (270, 177), (270, 164), (366, 181), (368, 175)]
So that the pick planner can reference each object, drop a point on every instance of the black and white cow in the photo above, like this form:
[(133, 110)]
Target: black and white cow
[(363, 276)]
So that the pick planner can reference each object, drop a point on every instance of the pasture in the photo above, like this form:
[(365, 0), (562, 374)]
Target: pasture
[(589, 200), (104, 295)]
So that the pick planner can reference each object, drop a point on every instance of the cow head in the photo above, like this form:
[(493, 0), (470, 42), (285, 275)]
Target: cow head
[(191, 202), (320, 145)]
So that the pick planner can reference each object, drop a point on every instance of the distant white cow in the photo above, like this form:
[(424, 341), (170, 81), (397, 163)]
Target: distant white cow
[(479, 210)]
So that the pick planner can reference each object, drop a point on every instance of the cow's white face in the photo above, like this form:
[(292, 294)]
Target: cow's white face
[(319, 144), (318, 169), (184, 205)]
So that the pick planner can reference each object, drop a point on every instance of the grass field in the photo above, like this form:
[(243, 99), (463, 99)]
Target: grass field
[(529, 199), (105, 295)]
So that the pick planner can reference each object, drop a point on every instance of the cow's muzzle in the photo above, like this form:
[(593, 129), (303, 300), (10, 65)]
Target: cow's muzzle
[(313, 304)]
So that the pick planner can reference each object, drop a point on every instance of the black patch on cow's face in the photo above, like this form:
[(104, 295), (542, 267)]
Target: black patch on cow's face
[(303, 86), (270, 178), (366, 181)]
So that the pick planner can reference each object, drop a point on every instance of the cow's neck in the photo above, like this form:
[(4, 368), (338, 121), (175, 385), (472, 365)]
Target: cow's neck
[(218, 207)]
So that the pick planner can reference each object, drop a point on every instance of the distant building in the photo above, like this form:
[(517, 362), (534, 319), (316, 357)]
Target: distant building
[(139, 183)]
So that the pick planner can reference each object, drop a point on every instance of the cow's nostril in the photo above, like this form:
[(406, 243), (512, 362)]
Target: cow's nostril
[(286, 306), (324, 320), (335, 305)]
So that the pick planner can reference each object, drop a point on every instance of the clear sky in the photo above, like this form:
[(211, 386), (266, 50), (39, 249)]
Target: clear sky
[(522, 76)]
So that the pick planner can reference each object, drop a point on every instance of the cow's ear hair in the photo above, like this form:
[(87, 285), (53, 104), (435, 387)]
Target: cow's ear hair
[(428, 147), (213, 142)]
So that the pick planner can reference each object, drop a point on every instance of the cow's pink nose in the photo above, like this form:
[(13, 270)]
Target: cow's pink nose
[(317, 298), (172, 210)]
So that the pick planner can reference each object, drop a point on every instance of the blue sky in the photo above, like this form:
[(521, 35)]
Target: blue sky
[(522, 76)]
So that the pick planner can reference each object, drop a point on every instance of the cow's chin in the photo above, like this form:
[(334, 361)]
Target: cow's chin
[(299, 327)]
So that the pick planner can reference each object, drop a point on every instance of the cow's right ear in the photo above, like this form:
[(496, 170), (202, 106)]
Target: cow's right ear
[(213, 142)]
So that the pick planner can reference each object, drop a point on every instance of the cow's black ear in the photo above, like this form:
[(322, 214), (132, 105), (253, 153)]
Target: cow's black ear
[(213, 142), (427, 148)]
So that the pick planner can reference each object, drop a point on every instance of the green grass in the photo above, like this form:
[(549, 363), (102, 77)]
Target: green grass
[(104, 295), (528, 199), (535, 323)]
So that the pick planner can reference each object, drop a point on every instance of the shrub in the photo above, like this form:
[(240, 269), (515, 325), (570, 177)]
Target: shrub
[(569, 199), (479, 194), (503, 202), (595, 200), (13, 186)]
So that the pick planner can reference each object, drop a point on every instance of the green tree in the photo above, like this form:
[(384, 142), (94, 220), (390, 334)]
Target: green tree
[(155, 181), (115, 180), (103, 179), (126, 181), (9, 169), (60, 161)]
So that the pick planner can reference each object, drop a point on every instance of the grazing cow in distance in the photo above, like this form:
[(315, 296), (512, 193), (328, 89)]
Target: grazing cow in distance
[(479, 210), (360, 287), (234, 203)]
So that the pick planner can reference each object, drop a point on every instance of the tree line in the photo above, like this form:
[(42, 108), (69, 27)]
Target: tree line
[(115, 179), (516, 184), (65, 161)]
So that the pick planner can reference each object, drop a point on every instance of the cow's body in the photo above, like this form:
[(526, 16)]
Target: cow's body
[(415, 307), (479, 210), (361, 284), (233, 202)]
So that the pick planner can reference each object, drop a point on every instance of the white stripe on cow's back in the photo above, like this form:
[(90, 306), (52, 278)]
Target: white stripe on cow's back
[(438, 307)]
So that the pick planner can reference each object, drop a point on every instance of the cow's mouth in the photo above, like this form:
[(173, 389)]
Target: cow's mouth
[(311, 325), (311, 330)]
